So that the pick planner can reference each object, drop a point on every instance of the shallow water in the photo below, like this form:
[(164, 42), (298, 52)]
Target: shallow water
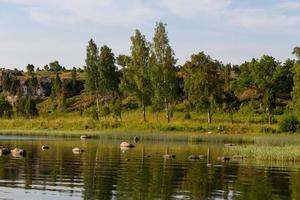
[(104, 171)]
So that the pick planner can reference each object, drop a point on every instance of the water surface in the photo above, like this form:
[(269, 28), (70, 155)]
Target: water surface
[(104, 171)]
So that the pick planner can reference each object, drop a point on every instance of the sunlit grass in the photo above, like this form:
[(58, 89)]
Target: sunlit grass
[(267, 152)]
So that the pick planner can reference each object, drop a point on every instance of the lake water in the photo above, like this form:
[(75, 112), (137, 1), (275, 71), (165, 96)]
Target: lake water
[(104, 171)]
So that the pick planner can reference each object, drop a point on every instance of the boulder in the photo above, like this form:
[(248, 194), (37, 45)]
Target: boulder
[(45, 147), (4, 151), (126, 144), (18, 152), (224, 158), (193, 157), (77, 150), (169, 156), (136, 139)]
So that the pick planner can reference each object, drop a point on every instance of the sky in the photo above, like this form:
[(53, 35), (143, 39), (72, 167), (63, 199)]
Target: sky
[(233, 31)]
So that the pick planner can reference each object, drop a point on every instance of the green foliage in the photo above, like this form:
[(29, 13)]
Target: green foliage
[(163, 71), (136, 79), (289, 124), (46, 68), (74, 77), (56, 87), (116, 108), (130, 103), (203, 84), (92, 82), (6, 110), (104, 111), (187, 116), (81, 110), (108, 74), (123, 60), (102, 77), (8, 83), (267, 76), (30, 69), (94, 114), (26, 107), (296, 89), (55, 66)]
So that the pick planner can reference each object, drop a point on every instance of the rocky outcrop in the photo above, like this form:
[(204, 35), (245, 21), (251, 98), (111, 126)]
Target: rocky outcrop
[(43, 87)]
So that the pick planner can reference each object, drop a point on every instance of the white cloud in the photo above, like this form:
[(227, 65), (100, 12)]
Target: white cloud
[(264, 19), (118, 12), (190, 8), (289, 5)]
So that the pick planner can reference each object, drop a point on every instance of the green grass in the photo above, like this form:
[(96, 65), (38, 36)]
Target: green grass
[(132, 121), (267, 153), (196, 129)]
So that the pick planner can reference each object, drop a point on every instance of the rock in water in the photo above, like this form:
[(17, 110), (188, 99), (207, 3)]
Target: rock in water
[(193, 157), (169, 156), (238, 157), (202, 156), (4, 151), (136, 139), (45, 147), (126, 144), (84, 137), (224, 158), (18, 152), (77, 150)]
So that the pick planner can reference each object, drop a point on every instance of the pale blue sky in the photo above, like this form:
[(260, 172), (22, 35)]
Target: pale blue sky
[(40, 31)]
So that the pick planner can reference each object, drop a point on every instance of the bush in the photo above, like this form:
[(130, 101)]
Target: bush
[(289, 124), (130, 103), (187, 116), (267, 130), (94, 114)]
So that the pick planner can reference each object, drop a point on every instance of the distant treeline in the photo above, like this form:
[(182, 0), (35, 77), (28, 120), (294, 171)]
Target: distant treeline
[(151, 77)]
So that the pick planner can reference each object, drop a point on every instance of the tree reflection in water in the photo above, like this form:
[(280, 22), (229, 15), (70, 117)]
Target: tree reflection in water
[(104, 171)]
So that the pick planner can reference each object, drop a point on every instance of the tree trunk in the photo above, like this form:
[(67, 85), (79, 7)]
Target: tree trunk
[(209, 116), (168, 113), (98, 104), (270, 118)]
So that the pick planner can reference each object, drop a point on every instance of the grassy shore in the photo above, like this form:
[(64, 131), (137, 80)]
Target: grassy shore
[(246, 128), (132, 121), (254, 139)]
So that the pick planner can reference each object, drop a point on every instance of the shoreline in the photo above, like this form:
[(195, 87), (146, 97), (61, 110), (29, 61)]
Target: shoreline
[(193, 137)]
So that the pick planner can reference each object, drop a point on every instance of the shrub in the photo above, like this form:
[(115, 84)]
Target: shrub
[(130, 103), (187, 116), (94, 114), (289, 124), (267, 130)]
